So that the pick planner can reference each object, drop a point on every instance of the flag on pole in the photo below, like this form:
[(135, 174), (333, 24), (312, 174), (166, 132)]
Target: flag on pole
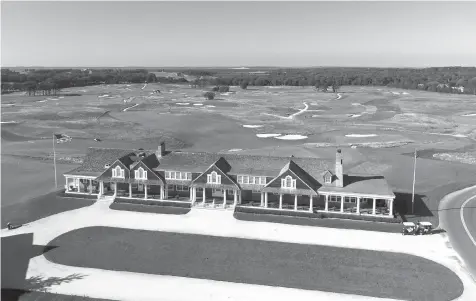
[(60, 138)]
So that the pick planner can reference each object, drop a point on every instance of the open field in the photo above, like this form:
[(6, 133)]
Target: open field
[(340, 270), (378, 128)]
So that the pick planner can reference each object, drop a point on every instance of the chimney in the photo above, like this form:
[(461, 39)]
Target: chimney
[(339, 172), (160, 150)]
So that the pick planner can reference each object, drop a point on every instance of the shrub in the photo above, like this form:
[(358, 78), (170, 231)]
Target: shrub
[(316, 215), (244, 85), (63, 194), (209, 95), (152, 203), (215, 89)]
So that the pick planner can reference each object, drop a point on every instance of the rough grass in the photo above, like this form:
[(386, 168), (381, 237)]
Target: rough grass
[(341, 270), (20, 295)]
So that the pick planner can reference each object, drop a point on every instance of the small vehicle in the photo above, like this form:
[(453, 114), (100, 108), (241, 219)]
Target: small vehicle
[(10, 226), (424, 228), (409, 228)]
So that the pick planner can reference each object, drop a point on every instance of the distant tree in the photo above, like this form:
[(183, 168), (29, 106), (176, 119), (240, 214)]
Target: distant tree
[(244, 85), (223, 89), (215, 89), (209, 95)]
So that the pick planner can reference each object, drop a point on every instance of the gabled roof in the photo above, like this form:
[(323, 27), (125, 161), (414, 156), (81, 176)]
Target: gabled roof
[(300, 173), (96, 159), (364, 185)]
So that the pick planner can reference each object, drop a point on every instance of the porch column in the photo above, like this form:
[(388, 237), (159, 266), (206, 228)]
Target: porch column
[(280, 201), (145, 191), (390, 208), (162, 191), (311, 207), (262, 199), (295, 202), (203, 200), (115, 188), (373, 206), (101, 187), (341, 203), (191, 194), (235, 197), (90, 185), (130, 190), (326, 208), (265, 200), (358, 205), (67, 184), (224, 198)]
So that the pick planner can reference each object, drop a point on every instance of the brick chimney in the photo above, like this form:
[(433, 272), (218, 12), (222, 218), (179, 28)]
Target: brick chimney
[(160, 150), (339, 171)]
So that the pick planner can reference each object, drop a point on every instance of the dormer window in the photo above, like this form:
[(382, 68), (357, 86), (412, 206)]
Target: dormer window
[(328, 178), (213, 178), (288, 183), (107, 165), (117, 172), (141, 174)]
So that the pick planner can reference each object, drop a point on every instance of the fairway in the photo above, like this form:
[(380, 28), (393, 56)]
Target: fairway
[(351, 271)]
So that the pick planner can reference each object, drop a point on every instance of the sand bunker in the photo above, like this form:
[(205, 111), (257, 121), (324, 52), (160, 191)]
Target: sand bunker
[(267, 135), (360, 135), (145, 85), (8, 121), (235, 150), (339, 96), (252, 126), (105, 95), (182, 103), (291, 137), (468, 115), (356, 104), (355, 115), (210, 106), (44, 100), (198, 104)]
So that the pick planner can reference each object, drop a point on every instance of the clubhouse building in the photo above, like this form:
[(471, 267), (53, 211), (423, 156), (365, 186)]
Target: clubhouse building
[(225, 180)]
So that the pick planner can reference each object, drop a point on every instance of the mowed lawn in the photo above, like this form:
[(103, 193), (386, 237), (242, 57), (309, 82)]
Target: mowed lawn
[(310, 267)]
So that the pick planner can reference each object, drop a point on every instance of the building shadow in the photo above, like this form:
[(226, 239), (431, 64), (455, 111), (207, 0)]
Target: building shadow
[(17, 250), (354, 179), (403, 206)]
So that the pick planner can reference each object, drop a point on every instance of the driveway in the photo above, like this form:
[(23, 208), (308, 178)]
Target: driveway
[(118, 285), (457, 213)]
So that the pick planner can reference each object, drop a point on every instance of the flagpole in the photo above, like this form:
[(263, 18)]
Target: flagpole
[(413, 193), (54, 161)]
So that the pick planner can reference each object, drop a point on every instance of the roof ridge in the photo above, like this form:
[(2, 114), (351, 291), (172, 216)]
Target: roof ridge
[(248, 155)]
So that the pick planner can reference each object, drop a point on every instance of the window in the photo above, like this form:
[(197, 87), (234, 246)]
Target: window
[(334, 198), (229, 192), (170, 187), (240, 179), (214, 190), (246, 180), (214, 178), (178, 175), (255, 191), (328, 178), (181, 187), (349, 199), (251, 180), (288, 183), (199, 189), (263, 181), (118, 172), (141, 174)]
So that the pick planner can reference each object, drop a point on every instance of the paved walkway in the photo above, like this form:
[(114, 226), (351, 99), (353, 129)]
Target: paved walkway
[(136, 286), (457, 213)]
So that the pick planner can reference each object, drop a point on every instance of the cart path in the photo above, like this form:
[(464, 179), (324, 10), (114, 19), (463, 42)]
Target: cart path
[(306, 107), (216, 223), (457, 212)]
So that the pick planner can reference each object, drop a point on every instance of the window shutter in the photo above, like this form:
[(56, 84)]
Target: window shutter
[(145, 174), (209, 178), (294, 183), (240, 179), (283, 183), (136, 174), (218, 179)]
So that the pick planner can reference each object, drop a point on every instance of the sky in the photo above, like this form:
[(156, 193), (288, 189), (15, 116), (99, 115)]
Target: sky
[(193, 34)]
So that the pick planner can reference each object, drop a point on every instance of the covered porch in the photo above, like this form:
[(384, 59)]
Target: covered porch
[(284, 199), (81, 184), (357, 204), (215, 195)]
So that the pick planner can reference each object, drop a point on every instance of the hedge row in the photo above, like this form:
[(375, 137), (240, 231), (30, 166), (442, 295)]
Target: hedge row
[(316, 215), (149, 208), (63, 194), (152, 203)]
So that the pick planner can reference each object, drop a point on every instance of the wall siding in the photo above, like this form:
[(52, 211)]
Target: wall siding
[(203, 177), (277, 182)]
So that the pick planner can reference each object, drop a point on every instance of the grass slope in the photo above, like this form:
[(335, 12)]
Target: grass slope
[(342, 270), (40, 207)]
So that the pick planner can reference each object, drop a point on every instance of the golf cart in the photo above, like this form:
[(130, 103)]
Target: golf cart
[(424, 228), (409, 228)]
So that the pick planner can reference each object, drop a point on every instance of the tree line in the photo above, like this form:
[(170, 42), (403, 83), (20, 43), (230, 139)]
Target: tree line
[(51, 81), (461, 80)]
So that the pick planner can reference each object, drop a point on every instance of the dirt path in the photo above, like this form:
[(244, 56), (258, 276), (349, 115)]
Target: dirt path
[(130, 107), (306, 107), (145, 85)]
